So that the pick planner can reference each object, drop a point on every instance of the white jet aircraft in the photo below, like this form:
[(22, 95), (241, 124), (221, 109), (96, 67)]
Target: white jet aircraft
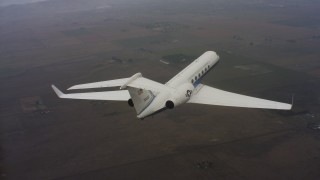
[(149, 97)]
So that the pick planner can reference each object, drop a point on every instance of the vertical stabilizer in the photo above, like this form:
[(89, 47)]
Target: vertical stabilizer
[(141, 98)]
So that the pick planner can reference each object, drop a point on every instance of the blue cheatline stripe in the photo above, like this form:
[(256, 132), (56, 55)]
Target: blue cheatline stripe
[(198, 81)]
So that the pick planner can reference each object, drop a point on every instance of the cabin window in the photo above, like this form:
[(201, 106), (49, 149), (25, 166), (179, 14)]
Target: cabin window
[(192, 81), (208, 66), (199, 75), (202, 72), (206, 69)]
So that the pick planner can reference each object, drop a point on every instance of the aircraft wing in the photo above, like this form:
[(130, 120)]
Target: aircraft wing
[(139, 82), (122, 95), (101, 84), (212, 96)]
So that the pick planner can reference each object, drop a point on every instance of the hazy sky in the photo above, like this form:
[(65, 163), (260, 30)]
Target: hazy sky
[(11, 2)]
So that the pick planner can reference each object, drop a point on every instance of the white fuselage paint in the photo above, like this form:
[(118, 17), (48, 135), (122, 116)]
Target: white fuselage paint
[(192, 74)]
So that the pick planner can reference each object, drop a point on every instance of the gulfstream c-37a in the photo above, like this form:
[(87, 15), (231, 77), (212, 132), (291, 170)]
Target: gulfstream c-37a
[(149, 97)]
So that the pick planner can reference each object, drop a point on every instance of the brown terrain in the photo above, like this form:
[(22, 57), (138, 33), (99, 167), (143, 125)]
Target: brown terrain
[(268, 49)]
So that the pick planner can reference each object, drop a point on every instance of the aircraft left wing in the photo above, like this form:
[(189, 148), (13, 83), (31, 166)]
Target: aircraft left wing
[(212, 96), (101, 84), (136, 81), (122, 95)]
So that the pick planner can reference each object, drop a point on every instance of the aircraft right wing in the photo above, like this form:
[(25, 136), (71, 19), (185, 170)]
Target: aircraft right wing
[(122, 95), (212, 96)]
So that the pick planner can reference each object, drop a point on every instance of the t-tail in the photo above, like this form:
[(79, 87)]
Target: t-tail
[(140, 98)]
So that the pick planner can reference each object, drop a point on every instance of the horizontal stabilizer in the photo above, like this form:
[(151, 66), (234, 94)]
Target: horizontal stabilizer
[(147, 84), (122, 95), (212, 96)]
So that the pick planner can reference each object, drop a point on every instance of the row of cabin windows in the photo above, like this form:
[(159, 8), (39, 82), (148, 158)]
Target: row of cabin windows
[(201, 73)]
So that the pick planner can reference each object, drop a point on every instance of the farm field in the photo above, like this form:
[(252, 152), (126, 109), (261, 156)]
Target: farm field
[(267, 50)]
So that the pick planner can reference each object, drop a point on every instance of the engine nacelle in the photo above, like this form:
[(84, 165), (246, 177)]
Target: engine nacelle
[(170, 104), (180, 96), (130, 102)]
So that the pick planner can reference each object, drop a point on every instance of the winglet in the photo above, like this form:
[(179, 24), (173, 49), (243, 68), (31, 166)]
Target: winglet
[(57, 91)]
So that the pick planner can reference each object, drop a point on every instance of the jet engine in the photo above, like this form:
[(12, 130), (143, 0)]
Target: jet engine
[(130, 102), (180, 96)]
